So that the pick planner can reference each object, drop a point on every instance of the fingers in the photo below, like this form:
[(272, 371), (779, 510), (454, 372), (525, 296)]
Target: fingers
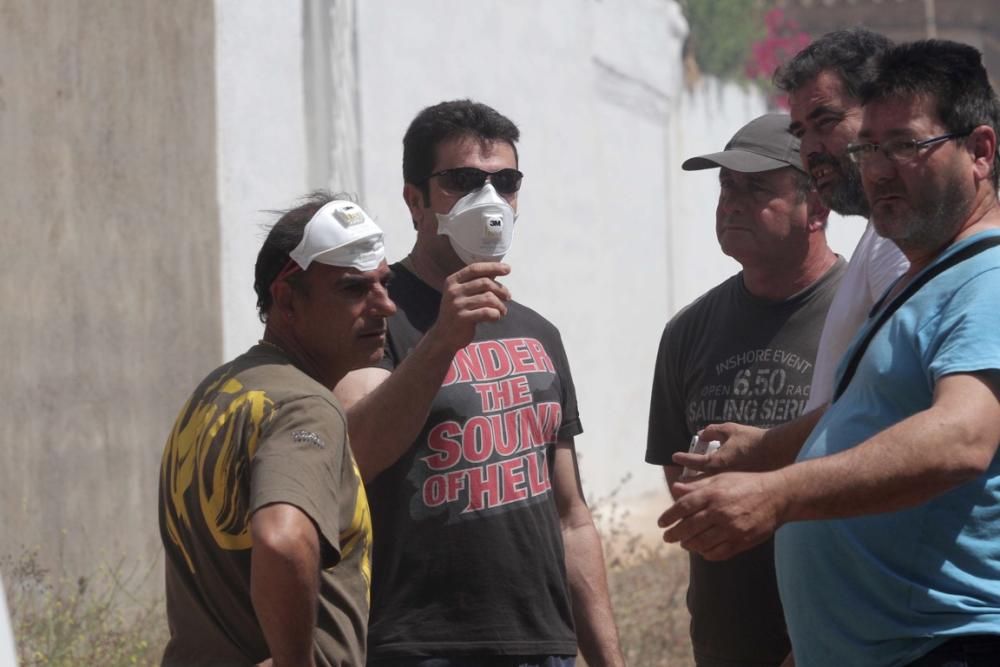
[(710, 540), (702, 534), (470, 296), (720, 432), (480, 308), (683, 507), (475, 280), (697, 462), (481, 270)]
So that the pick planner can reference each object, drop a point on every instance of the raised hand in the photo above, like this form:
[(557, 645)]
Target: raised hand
[(470, 296)]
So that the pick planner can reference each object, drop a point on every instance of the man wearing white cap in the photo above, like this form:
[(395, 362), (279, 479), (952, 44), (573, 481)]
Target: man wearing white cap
[(263, 516), (485, 551), (744, 352)]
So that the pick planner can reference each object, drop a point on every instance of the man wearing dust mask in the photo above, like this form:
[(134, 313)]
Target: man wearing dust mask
[(485, 551)]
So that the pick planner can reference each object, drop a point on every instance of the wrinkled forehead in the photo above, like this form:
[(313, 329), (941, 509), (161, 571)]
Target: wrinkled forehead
[(825, 91)]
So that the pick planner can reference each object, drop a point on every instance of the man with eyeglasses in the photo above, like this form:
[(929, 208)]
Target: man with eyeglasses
[(485, 551), (744, 351), (890, 519), (823, 82)]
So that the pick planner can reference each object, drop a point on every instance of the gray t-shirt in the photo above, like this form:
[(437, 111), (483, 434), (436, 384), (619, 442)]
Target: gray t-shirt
[(731, 356)]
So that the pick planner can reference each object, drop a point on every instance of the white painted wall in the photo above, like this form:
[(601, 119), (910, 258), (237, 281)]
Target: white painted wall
[(612, 237), (590, 84), (262, 159)]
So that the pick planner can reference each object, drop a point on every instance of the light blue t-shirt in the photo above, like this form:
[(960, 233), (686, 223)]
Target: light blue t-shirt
[(882, 590)]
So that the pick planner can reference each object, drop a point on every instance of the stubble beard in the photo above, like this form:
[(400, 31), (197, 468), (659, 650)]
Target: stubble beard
[(847, 196), (934, 220)]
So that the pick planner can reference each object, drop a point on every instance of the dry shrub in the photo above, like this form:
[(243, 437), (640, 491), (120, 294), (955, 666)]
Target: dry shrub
[(648, 582), (96, 620)]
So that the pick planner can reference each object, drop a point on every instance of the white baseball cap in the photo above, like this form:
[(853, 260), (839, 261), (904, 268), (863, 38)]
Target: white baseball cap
[(340, 234)]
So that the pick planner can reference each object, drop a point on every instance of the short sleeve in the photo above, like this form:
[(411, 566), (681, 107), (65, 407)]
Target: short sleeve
[(668, 428), (300, 461), (965, 339), (571, 425)]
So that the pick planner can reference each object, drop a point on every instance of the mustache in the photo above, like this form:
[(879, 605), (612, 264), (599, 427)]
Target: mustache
[(875, 192), (375, 329), (818, 159)]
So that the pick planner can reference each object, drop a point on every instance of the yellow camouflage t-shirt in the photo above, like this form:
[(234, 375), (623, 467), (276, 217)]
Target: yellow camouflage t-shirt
[(259, 431)]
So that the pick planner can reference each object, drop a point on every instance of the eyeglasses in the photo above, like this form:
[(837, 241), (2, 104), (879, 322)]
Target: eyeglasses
[(467, 179), (899, 150)]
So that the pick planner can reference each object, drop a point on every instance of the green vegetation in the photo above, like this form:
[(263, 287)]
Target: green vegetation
[(105, 620), (722, 33), (91, 621), (648, 584)]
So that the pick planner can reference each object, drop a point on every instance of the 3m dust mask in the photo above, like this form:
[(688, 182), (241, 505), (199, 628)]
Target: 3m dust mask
[(480, 226)]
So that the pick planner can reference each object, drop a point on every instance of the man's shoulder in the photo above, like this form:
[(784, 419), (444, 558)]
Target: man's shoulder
[(977, 277), (270, 374), (703, 306), (528, 318)]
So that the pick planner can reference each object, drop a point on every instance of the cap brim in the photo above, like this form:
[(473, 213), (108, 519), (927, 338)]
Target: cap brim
[(735, 159)]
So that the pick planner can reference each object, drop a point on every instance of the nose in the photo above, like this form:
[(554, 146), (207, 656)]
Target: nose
[(810, 148), (876, 167), (729, 202), (380, 305)]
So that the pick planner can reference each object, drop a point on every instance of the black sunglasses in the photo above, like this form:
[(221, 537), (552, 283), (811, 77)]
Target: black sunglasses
[(467, 179)]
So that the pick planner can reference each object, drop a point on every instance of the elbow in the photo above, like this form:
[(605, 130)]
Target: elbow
[(971, 454), (973, 464)]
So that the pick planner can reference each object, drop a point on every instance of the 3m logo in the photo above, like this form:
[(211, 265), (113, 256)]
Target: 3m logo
[(308, 436)]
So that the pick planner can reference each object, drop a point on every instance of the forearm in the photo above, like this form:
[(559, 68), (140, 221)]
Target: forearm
[(284, 585), (903, 466), (384, 423), (922, 456), (595, 624)]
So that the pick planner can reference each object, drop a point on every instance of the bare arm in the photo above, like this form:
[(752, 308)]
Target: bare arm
[(748, 448), (911, 462), (585, 571), (385, 411), (284, 582)]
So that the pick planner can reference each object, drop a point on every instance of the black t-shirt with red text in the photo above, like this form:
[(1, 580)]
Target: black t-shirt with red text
[(468, 556)]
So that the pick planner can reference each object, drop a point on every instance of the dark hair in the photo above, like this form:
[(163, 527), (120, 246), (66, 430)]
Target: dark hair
[(850, 53), (450, 120), (281, 239), (950, 75)]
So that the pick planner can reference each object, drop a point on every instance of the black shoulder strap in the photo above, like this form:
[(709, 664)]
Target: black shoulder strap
[(965, 253)]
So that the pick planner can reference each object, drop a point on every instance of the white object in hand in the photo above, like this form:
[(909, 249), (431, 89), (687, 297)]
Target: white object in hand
[(699, 446)]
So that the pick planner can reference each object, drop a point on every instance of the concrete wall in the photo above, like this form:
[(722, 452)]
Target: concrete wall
[(110, 262)]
